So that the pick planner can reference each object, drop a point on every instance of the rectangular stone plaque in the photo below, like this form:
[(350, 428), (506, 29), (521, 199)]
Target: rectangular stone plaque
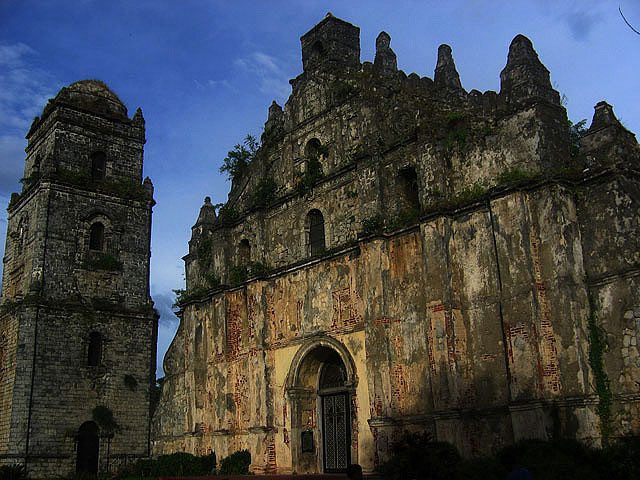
[(307, 441)]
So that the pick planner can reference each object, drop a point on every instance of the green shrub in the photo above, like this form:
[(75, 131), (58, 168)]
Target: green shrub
[(415, 456), (238, 274), (576, 132), (514, 175), (228, 215), (238, 160), (237, 463), (213, 281), (418, 458), (553, 460), (265, 192), (311, 176), (204, 252), (184, 296), (622, 459), (404, 218), (179, 464), (372, 225), (258, 269), (483, 468), (13, 472), (456, 130)]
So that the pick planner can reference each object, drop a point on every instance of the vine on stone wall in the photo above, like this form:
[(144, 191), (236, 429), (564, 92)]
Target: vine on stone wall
[(597, 348)]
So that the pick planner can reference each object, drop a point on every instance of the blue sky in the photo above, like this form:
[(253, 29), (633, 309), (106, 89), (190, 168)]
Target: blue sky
[(205, 72)]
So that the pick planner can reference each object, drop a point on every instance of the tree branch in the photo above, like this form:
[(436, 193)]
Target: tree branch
[(625, 21)]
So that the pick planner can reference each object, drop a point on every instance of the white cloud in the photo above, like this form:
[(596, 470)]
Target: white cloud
[(274, 80), (24, 90), (13, 55)]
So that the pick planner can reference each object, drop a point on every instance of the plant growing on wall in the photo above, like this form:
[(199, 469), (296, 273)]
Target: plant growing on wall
[(227, 214), (597, 349), (130, 382), (265, 192), (576, 132), (238, 160), (103, 416), (373, 224), (311, 176)]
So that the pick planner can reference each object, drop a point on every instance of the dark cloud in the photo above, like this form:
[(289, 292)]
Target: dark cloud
[(581, 23)]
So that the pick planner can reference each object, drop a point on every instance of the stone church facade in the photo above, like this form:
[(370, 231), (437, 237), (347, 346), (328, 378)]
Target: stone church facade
[(77, 325), (404, 255)]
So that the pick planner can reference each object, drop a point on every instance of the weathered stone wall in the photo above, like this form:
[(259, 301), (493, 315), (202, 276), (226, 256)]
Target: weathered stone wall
[(502, 320), (479, 255)]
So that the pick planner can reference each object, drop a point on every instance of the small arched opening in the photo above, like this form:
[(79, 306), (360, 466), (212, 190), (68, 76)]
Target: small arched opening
[(96, 237), (94, 350), (315, 233), (317, 50), (98, 166), (244, 252), (408, 179), (314, 149), (36, 165), (87, 448), (321, 388)]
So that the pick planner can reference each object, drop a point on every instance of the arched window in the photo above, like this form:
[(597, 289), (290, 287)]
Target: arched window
[(313, 149), (244, 252), (94, 352), (96, 236), (36, 164), (409, 183), (332, 375), (313, 155), (317, 49), (98, 166), (315, 229)]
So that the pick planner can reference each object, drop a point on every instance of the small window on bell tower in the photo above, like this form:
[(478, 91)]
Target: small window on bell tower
[(94, 352), (98, 166), (96, 237)]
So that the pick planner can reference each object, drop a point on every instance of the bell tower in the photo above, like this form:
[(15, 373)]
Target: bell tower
[(332, 42), (77, 324)]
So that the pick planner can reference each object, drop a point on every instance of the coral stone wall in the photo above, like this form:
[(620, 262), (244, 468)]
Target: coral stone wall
[(478, 279)]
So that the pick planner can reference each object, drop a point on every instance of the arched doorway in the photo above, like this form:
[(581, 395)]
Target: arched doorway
[(88, 448), (321, 388)]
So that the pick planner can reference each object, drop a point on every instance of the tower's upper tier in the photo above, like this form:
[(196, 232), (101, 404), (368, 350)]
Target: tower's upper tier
[(93, 96)]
